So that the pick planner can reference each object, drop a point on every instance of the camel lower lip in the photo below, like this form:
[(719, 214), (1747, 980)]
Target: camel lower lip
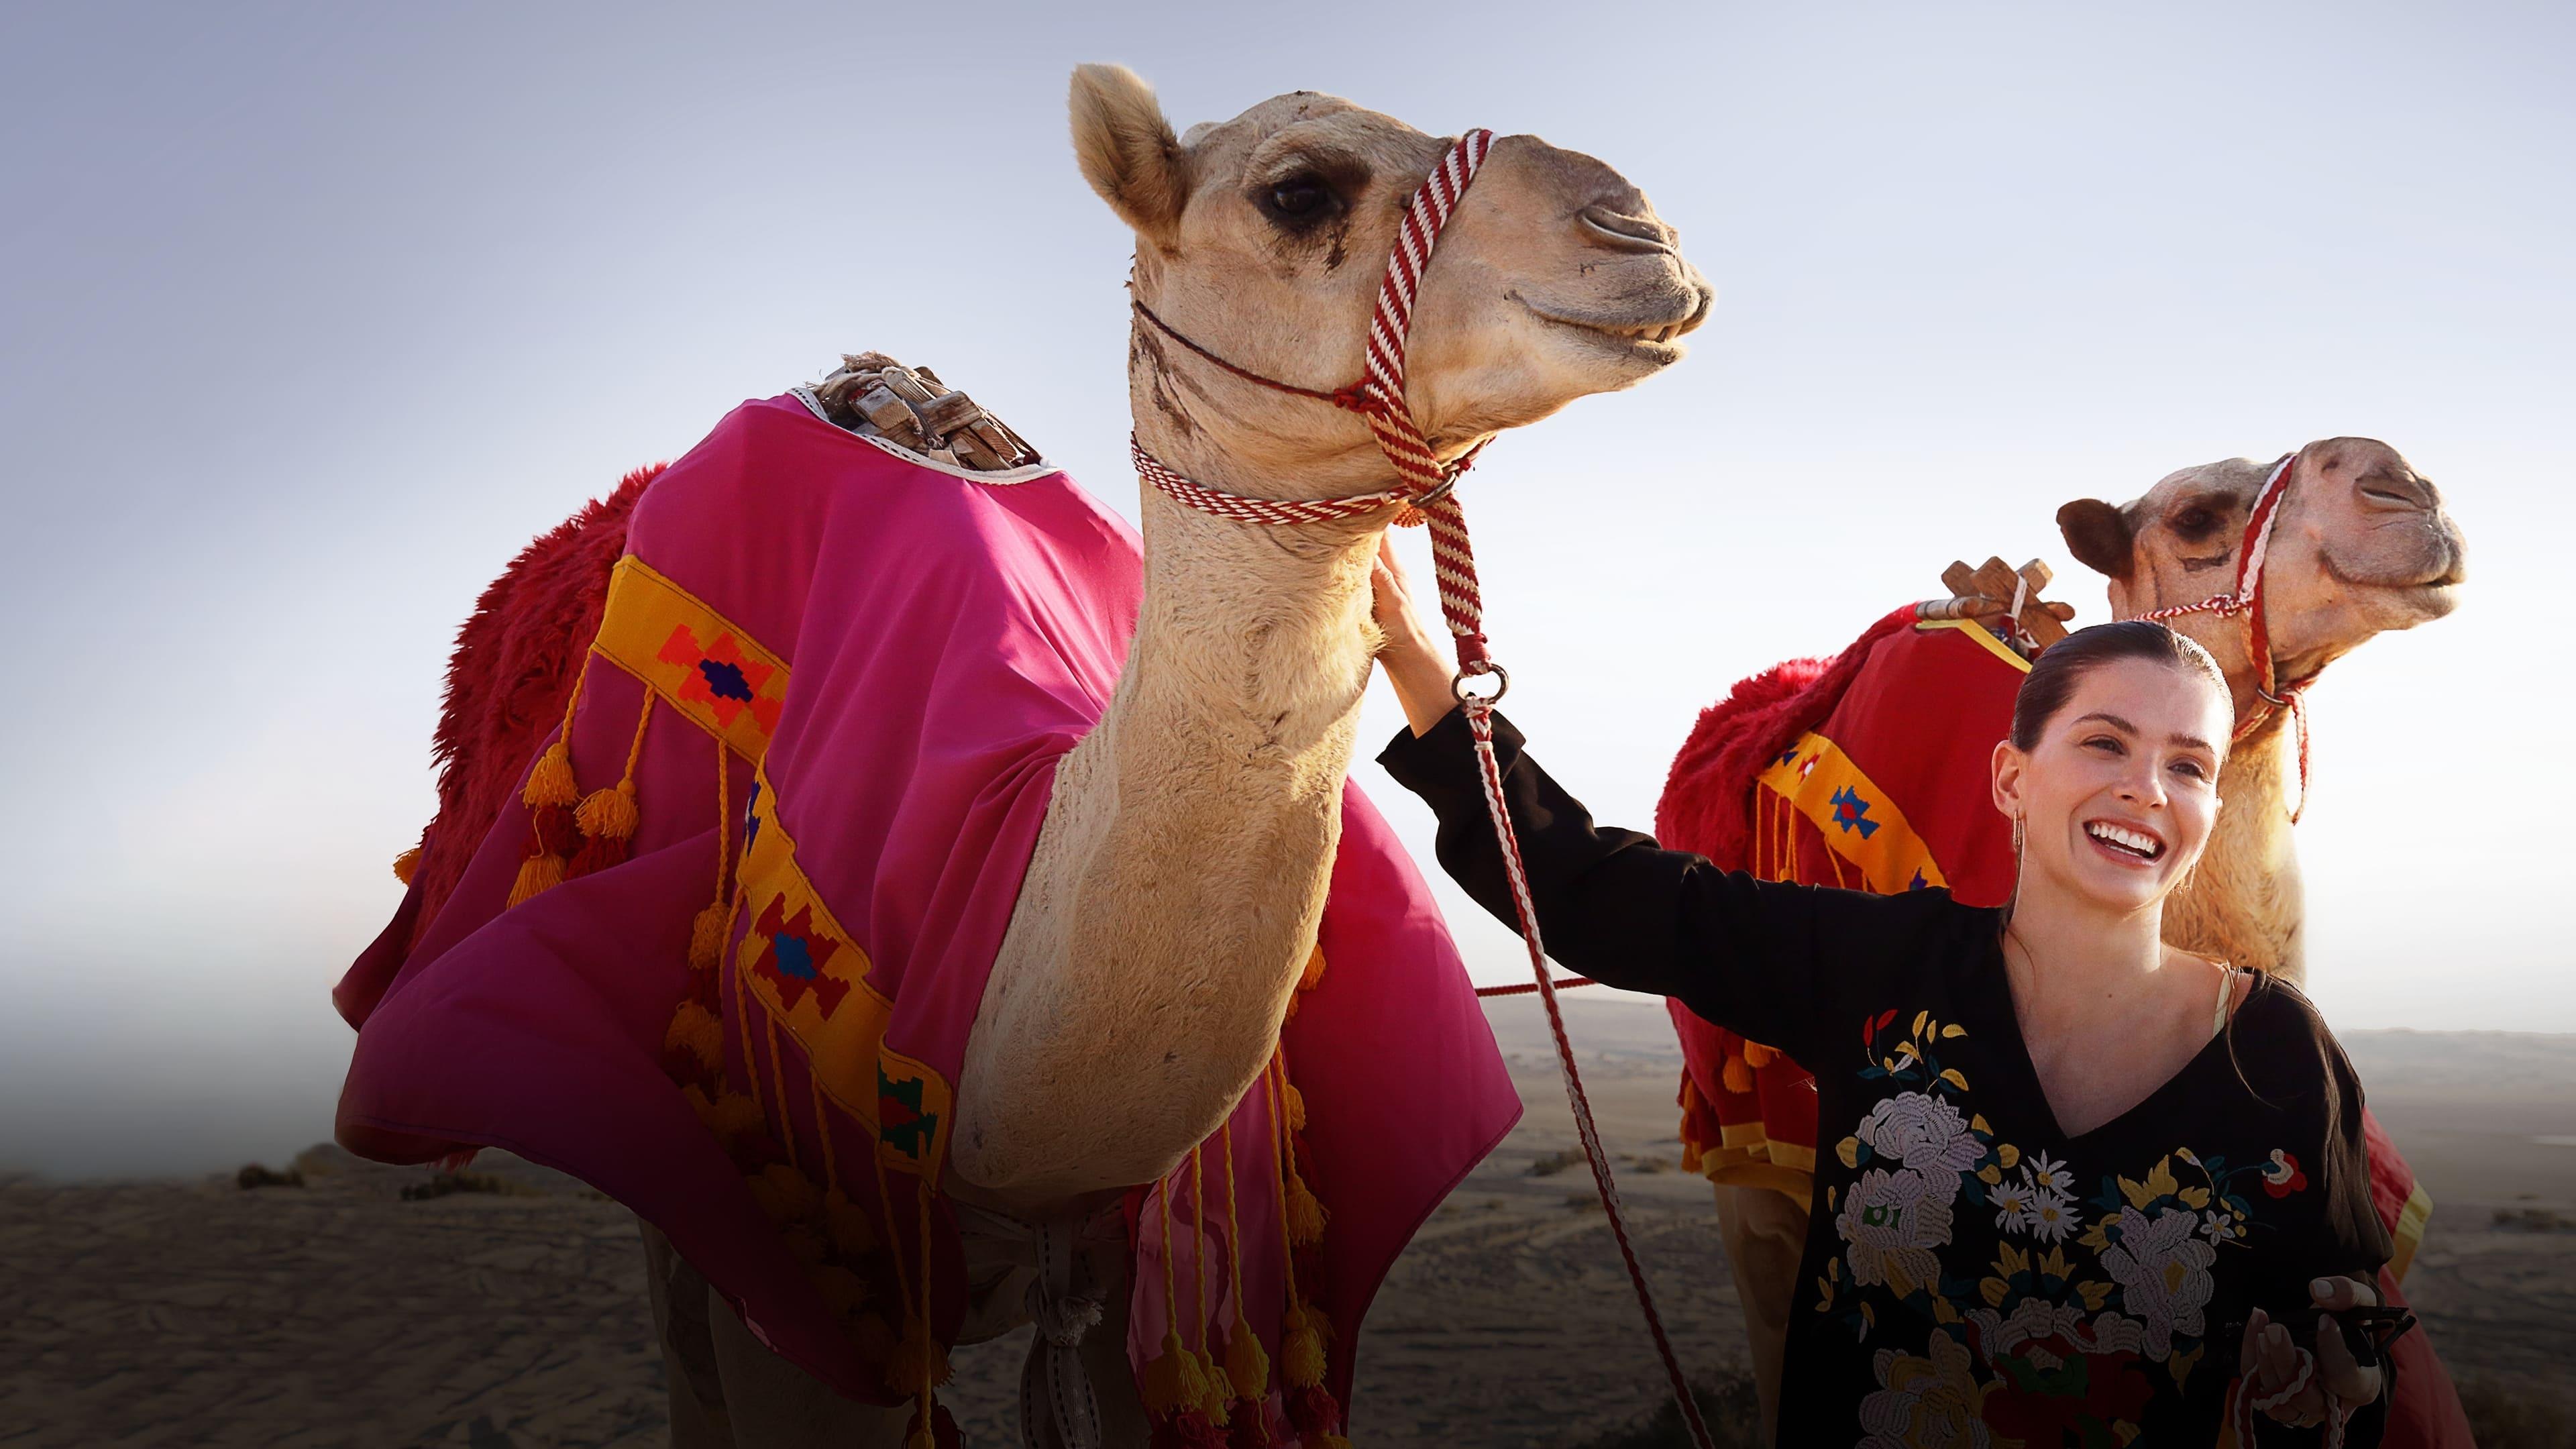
[(1649, 341)]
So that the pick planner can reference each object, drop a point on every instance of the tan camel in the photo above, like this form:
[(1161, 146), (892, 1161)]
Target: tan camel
[(1181, 872), (2362, 546), (1179, 877)]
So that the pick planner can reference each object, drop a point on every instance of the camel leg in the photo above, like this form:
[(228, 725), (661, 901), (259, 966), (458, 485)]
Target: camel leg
[(727, 1389), (1765, 1232), (680, 1302), (724, 1383)]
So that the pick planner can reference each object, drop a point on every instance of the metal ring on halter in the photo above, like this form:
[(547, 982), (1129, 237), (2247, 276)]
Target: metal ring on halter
[(1502, 686), (1447, 486), (2279, 702)]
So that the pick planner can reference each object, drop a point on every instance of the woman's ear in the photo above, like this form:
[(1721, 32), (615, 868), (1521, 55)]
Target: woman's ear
[(2008, 764), (1127, 150)]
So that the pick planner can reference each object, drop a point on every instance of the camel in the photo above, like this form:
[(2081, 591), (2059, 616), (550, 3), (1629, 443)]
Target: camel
[(2362, 546), (1203, 809), (1169, 912)]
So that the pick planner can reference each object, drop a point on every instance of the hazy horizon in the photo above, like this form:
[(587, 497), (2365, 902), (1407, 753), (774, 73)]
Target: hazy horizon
[(310, 319)]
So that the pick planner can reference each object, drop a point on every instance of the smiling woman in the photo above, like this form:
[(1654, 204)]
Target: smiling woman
[(2081, 1173)]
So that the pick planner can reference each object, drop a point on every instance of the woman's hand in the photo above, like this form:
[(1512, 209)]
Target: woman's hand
[(1412, 662), (2270, 1361)]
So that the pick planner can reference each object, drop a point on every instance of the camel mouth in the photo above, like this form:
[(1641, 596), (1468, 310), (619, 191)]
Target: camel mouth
[(1651, 337), (2428, 592)]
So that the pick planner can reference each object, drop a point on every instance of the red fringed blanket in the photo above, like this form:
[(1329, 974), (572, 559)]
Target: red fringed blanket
[(746, 765)]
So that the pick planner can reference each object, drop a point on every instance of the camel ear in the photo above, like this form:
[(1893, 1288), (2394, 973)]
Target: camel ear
[(1127, 150), (2098, 535)]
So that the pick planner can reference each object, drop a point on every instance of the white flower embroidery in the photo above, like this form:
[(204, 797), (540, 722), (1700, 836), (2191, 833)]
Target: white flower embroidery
[(2034, 1321), (2050, 1173), (1923, 1132), (2052, 1216), (2219, 1227), (2162, 1268), (1892, 1222), (2012, 1204), (1927, 1401)]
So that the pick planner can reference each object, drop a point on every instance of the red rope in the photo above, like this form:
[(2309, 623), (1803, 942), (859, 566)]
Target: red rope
[(1480, 724), (1562, 983), (2244, 603)]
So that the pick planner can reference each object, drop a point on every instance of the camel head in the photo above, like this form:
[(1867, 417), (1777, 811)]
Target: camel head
[(1263, 239), (2363, 545)]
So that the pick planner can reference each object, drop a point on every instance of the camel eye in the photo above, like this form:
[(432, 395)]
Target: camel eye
[(2194, 521), (1300, 200)]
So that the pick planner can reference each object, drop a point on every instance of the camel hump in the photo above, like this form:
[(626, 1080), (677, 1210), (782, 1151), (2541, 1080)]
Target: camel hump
[(873, 395), (1708, 796), (511, 674)]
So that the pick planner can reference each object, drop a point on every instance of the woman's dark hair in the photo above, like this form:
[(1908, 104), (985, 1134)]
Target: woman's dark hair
[(2063, 665)]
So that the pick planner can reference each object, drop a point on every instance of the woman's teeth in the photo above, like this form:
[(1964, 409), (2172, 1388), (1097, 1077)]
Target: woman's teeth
[(2144, 847)]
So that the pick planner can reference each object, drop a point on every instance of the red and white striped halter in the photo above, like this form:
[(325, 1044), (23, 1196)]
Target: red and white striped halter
[(1424, 484), (1424, 492), (2244, 603)]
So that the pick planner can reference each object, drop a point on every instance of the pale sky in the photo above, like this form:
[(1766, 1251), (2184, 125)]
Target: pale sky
[(311, 316)]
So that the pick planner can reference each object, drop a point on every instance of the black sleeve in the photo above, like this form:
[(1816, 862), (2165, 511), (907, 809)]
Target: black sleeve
[(2306, 1075), (1770, 960)]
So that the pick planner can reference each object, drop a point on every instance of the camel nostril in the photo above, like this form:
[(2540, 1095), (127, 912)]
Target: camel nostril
[(1624, 232), (2412, 494)]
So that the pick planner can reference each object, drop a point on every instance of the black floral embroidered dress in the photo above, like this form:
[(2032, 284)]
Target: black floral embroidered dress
[(1974, 1277)]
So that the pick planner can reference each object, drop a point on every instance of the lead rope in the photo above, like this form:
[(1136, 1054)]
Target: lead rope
[(1424, 494), (2241, 1405)]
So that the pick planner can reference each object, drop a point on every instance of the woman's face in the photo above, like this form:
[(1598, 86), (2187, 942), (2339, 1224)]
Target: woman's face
[(2118, 796)]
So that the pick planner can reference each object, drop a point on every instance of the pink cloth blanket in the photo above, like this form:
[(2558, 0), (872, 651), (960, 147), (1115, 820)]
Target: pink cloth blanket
[(888, 660)]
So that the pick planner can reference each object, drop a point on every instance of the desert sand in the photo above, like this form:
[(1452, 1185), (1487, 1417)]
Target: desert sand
[(339, 1313)]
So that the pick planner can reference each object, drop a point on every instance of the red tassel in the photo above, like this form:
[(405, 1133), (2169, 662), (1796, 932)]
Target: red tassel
[(557, 831), (1195, 1430), (1314, 1410), (1249, 1427), (597, 853)]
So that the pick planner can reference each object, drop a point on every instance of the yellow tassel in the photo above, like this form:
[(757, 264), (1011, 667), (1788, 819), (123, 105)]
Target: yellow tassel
[(1336, 1441), (874, 1337), (1173, 1380), (1247, 1363), (1305, 1213), (919, 1364), (551, 782), (1301, 1350), (537, 875), (406, 863), (695, 1030), (1758, 1056), (1737, 1077), (731, 1115), (921, 1438), (852, 1231), (843, 1291), (609, 813), (796, 1195), (1296, 1107), (804, 1245), (707, 936), (1313, 975), (1213, 1392)]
